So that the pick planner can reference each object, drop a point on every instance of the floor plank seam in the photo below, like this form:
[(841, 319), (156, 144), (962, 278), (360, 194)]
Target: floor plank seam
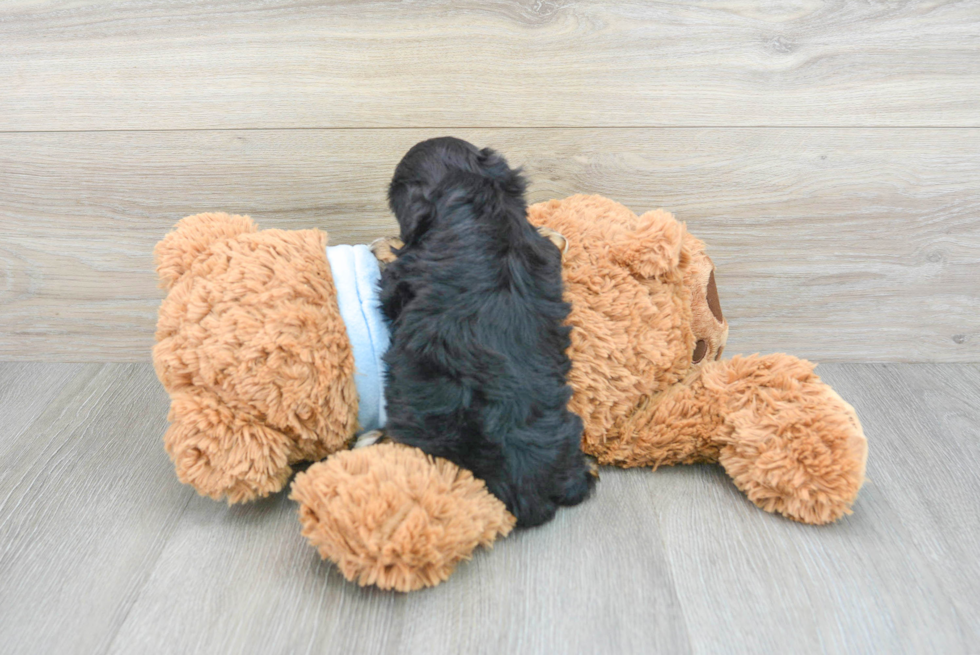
[(148, 574), (673, 585), (7, 514)]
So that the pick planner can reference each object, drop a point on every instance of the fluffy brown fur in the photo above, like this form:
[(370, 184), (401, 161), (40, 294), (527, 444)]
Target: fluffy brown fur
[(252, 349), (391, 516), (639, 289)]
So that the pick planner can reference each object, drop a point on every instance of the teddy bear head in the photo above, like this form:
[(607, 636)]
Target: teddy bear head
[(645, 311), (252, 349)]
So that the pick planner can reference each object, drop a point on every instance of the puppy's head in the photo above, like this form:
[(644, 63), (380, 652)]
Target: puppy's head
[(433, 167)]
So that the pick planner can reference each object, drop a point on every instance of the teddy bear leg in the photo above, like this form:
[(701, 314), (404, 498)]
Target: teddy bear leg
[(792, 444), (391, 516), (223, 455), (788, 441), (678, 427)]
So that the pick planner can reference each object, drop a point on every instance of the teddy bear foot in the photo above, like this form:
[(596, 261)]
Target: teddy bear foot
[(793, 445), (389, 515)]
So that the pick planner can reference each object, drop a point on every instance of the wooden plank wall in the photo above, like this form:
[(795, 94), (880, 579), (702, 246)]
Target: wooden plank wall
[(829, 153)]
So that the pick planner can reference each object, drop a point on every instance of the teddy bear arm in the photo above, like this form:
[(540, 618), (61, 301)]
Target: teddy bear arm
[(786, 438), (678, 426), (789, 442), (391, 516)]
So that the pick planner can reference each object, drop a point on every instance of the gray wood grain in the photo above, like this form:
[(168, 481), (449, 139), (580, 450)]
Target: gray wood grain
[(88, 498), (26, 390), (833, 244), (101, 550), (900, 575), (349, 63), (541, 591)]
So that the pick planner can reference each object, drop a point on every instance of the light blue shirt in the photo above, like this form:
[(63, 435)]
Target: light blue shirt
[(355, 275)]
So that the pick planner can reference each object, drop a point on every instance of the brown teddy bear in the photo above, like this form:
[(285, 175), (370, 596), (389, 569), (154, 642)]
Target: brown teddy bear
[(253, 392)]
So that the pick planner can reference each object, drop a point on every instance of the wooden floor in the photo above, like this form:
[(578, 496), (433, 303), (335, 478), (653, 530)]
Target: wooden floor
[(102, 550)]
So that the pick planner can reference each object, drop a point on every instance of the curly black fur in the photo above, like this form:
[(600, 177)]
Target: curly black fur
[(477, 365)]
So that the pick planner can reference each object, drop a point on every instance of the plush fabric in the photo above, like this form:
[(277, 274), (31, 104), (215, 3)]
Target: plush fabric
[(252, 349), (356, 275), (391, 516)]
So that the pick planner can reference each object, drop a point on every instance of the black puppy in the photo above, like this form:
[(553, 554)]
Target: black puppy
[(477, 365)]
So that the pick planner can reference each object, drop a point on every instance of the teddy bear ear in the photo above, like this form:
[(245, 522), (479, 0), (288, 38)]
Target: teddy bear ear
[(654, 247), (190, 237)]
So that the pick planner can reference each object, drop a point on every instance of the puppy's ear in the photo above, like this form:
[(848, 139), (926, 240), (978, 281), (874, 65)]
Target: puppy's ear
[(495, 167), (555, 238), (412, 208), (654, 247)]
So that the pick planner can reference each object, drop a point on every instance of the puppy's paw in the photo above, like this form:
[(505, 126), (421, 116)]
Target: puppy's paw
[(555, 238), (531, 513), (382, 249), (592, 466), (579, 483)]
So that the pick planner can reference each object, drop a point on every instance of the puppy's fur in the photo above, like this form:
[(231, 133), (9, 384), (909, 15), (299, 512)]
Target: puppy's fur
[(477, 365)]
